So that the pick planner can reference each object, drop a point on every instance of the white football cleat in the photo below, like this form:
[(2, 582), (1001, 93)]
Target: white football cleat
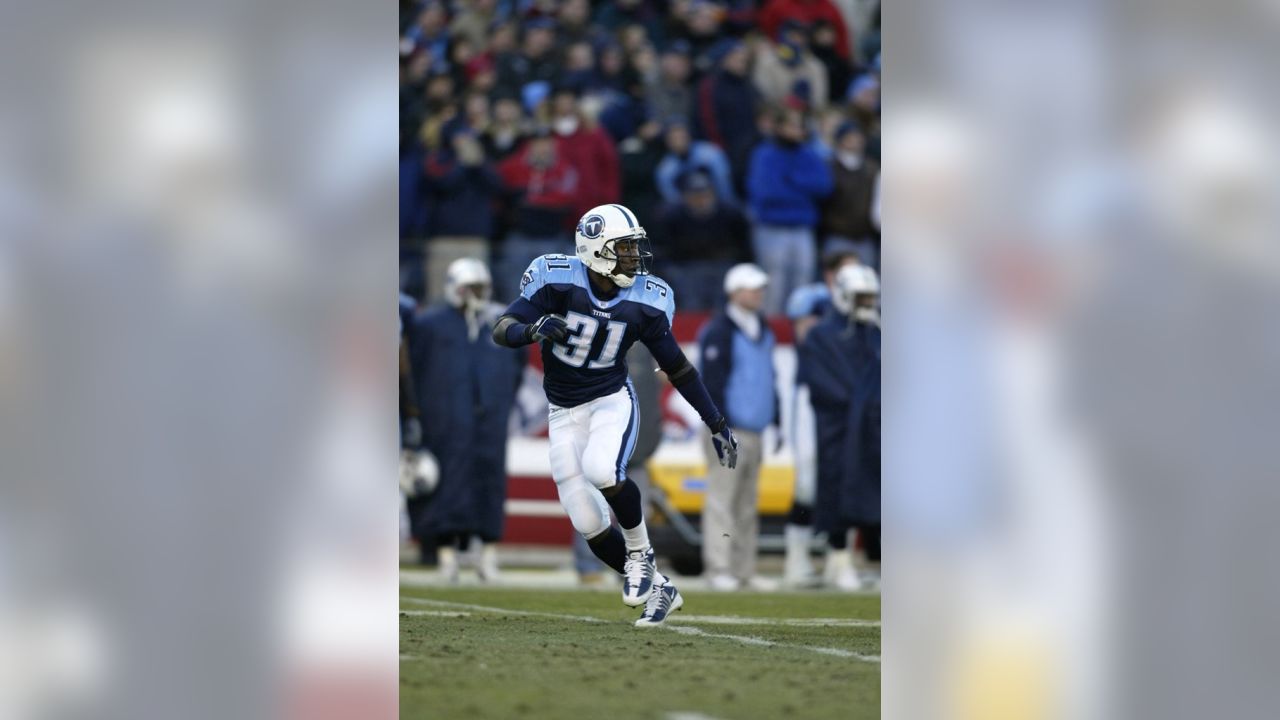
[(870, 578), (487, 569), (663, 600), (839, 572), (722, 583), (638, 577), (798, 571)]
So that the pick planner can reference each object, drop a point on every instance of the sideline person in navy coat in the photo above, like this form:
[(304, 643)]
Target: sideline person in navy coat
[(466, 386), (838, 360), (860, 481)]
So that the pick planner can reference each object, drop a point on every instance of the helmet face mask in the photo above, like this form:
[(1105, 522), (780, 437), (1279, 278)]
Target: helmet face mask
[(631, 257), (610, 242), (856, 287)]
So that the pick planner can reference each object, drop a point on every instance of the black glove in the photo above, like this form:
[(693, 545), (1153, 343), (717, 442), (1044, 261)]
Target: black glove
[(548, 327)]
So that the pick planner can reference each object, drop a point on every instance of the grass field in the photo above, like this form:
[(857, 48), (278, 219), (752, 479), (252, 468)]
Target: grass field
[(563, 654)]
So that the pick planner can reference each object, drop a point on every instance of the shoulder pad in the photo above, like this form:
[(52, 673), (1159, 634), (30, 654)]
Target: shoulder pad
[(654, 292), (548, 270)]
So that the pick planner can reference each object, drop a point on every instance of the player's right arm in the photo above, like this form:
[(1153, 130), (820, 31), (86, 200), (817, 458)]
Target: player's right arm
[(684, 377), (529, 319)]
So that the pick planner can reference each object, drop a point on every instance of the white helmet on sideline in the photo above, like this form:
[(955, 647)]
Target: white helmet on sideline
[(595, 243), (462, 273), (852, 281), (419, 473)]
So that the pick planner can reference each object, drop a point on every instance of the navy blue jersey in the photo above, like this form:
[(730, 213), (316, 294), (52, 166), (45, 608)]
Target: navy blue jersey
[(592, 362)]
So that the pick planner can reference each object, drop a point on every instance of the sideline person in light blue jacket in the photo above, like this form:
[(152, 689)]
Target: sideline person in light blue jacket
[(736, 354)]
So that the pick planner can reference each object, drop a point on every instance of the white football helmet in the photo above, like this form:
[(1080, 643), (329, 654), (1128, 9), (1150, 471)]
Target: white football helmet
[(464, 272), (596, 238), (419, 473), (851, 282)]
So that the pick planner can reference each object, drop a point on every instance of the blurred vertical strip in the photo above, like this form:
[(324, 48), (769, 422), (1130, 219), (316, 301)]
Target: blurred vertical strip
[(197, 360), (1080, 297)]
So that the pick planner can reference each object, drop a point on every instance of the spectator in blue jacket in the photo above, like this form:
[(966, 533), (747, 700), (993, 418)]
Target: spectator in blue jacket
[(686, 155), (736, 354), (786, 183)]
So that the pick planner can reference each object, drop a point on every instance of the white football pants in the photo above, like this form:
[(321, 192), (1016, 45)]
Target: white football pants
[(590, 447)]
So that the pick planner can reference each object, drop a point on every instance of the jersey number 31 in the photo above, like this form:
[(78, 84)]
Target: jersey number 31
[(583, 328)]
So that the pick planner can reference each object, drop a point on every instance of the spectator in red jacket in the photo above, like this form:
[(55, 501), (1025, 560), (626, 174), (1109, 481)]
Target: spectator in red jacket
[(589, 150), (776, 12), (545, 188)]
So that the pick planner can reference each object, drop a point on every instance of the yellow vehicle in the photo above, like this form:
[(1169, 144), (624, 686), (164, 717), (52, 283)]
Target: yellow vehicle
[(676, 494)]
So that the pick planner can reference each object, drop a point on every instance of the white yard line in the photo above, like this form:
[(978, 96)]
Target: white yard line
[(691, 631), (500, 611), (684, 715), (749, 640), (436, 613), (798, 622)]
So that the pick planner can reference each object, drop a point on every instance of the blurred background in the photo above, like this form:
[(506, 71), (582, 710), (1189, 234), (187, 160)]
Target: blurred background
[(197, 375), (1080, 206)]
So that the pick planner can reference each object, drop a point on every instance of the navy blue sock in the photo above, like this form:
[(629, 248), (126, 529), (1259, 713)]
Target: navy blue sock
[(838, 538), (610, 548), (800, 515), (870, 535), (626, 504)]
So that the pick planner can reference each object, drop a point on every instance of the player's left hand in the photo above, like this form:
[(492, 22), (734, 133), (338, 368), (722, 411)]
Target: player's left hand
[(726, 447)]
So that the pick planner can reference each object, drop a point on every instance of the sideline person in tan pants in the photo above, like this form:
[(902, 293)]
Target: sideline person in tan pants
[(730, 519), (735, 348)]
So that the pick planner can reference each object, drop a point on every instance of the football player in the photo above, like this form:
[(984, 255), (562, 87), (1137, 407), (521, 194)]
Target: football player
[(586, 311)]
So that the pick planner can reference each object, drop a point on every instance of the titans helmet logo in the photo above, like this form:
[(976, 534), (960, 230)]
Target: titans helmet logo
[(592, 226)]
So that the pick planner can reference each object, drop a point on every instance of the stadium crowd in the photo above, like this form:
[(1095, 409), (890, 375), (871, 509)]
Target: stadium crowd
[(737, 131)]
